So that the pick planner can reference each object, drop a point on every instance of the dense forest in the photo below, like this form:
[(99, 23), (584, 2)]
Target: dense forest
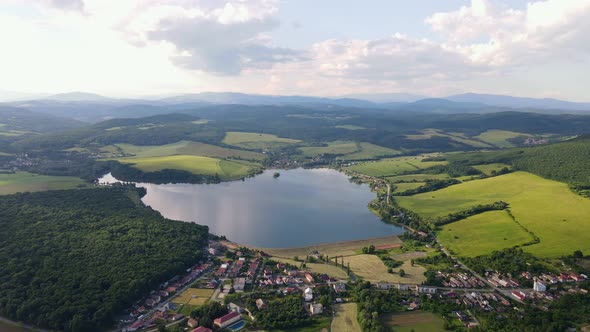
[(71, 259)]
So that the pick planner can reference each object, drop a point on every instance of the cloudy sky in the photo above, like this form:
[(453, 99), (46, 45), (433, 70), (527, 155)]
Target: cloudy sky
[(308, 47)]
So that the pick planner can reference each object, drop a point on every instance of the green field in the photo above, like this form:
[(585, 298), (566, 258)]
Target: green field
[(195, 164), (369, 151), (24, 182), (417, 321), (350, 127), (256, 141), (334, 148), (482, 234), (345, 318), (183, 148), (401, 187), (457, 137), (499, 138), (487, 169), (394, 166), (416, 177), (547, 208)]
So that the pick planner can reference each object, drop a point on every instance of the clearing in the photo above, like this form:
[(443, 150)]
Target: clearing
[(401, 187), (418, 321), (26, 182), (394, 166), (488, 168), (345, 318), (547, 208), (482, 234), (194, 296), (499, 138), (256, 141), (371, 268)]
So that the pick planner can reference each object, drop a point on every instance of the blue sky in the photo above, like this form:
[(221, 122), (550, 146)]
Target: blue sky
[(537, 48)]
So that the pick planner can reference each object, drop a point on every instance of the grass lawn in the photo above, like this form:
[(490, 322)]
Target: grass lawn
[(24, 182), (401, 187), (195, 164), (318, 324), (416, 177), (369, 151), (547, 208), (394, 166), (482, 234), (256, 141), (487, 169), (350, 127), (418, 321), (335, 148), (371, 268), (194, 296), (345, 318), (499, 138)]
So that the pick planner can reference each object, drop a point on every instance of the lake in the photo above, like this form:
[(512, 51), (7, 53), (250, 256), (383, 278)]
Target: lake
[(301, 207)]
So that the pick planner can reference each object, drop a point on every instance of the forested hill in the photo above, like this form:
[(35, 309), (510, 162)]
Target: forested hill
[(23, 120), (567, 161), (71, 259)]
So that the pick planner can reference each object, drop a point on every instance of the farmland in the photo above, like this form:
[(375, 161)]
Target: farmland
[(547, 208), (256, 141), (416, 177), (369, 151), (418, 321), (482, 234), (194, 296), (487, 169), (334, 148), (345, 318), (457, 137), (24, 182), (195, 164), (401, 187), (394, 166), (499, 138), (183, 148)]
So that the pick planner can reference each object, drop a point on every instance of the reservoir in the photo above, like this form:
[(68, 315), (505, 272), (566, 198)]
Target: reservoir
[(301, 207)]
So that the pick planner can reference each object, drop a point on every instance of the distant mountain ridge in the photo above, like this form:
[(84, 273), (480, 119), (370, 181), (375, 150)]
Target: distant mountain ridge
[(519, 102)]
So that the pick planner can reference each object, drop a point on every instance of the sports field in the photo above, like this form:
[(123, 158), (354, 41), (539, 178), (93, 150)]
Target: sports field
[(482, 234), (547, 208), (27, 182), (183, 148), (194, 296), (256, 141), (345, 318), (499, 138), (394, 166), (195, 164), (418, 321)]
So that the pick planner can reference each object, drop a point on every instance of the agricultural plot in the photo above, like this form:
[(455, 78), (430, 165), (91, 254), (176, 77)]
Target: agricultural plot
[(28, 182), (457, 137), (195, 164), (256, 141), (345, 318), (334, 148), (416, 177), (547, 208), (371, 268), (194, 296), (369, 151), (401, 187), (482, 234), (487, 169), (499, 138), (394, 166), (418, 321), (182, 148)]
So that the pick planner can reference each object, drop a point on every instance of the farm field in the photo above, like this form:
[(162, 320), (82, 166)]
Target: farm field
[(183, 148), (334, 148), (418, 321), (487, 169), (416, 177), (28, 182), (371, 268), (457, 137), (256, 141), (369, 151), (394, 166), (547, 208), (345, 318), (401, 187), (482, 234), (499, 138), (194, 296), (195, 164)]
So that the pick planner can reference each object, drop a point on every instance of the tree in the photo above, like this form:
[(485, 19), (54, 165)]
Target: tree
[(578, 254), (402, 273)]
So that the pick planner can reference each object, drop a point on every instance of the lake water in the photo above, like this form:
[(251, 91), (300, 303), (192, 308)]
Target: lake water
[(301, 207)]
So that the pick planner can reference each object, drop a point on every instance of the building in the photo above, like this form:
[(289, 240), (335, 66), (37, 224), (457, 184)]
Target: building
[(309, 278), (234, 307), (227, 320), (261, 304), (202, 329), (539, 286), (519, 295), (239, 284), (308, 294), (316, 308), (339, 287), (192, 323), (425, 289)]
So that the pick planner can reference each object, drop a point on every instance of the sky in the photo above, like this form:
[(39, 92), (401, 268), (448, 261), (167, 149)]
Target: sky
[(132, 48)]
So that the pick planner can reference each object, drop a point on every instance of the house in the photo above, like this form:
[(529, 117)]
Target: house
[(339, 287), (519, 295), (227, 320), (261, 304), (316, 308), (234, 307), (135, 326), (308, 294), (150, 302), (192, 323), (239, 284), (383, 286), (539, 286), (202, 329), (309, 278), (425, 289), (402, 287)]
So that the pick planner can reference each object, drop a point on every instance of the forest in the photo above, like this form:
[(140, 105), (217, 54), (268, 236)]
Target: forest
[(71, 259)]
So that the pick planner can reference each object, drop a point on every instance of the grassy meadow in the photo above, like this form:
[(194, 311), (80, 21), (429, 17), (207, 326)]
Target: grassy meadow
[(457, 137), (417, 321), (345, 318), (369, 151), (416, 177), (483, 233), (487, 169), (256, 141), (394, 166), (334, 148), (499, 138), (371, 268), (401, 187), (183, 148), (28, 182), (547, 208)]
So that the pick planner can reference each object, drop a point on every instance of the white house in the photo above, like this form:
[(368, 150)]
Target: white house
[(308, 294), (425, 289), (316, 308), (539, 286)]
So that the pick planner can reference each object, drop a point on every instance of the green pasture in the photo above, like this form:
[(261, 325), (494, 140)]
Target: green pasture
[(334, 148), (184, 148), (394, 166), (401, 187), (499, 138), (416, 177), (27, 182), (487, 169), (256, 141), (369, 151)]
